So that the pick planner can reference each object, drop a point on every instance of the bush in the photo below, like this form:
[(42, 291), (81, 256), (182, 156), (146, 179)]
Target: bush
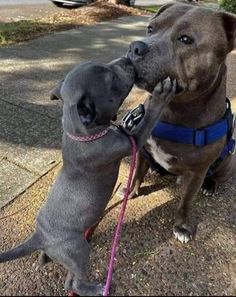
[(228, 5)]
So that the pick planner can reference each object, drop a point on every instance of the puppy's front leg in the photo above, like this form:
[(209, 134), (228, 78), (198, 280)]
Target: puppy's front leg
[(161, 96)]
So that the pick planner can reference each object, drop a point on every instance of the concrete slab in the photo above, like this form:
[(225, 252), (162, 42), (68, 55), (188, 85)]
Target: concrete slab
[(13, 181), (28, 139)]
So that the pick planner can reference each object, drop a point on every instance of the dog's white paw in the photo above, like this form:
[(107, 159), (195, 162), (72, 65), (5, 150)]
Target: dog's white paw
[(184, 233), (207, 193), (183, 238)]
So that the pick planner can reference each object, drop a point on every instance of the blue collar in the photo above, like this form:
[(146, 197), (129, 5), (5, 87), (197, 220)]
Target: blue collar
[(197, 137)]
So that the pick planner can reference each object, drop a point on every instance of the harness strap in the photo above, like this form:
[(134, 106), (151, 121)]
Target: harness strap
[(228, 149), (197, 137)]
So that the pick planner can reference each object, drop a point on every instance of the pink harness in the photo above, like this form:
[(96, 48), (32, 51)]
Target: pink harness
[(123, 208)]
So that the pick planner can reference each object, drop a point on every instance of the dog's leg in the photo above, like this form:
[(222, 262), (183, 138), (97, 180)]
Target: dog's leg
[(191, 184), (225, 171), (140, 172), (69, 282), (74, 256), (209, 187)]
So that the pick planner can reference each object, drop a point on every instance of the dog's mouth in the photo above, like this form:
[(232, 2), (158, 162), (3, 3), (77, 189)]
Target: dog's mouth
[(149, 87)]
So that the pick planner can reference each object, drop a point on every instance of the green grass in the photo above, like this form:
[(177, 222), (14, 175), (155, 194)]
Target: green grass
[(22, 30), (150, 8)]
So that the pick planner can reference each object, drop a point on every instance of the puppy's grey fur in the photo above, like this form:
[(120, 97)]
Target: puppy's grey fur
[(92, 94)]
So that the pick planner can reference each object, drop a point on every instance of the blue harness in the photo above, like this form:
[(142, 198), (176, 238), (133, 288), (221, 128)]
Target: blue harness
[(197, 137), (201, 137)]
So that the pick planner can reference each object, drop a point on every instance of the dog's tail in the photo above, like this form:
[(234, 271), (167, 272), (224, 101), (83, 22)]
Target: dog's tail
[(22, 250)]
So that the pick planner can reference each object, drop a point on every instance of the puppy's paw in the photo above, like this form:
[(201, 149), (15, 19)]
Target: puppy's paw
[(184, 233), (100, 288), (165, 90), (88, 289)]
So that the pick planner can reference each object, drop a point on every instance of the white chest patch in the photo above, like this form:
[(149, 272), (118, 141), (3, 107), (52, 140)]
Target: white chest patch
[(158, 154)]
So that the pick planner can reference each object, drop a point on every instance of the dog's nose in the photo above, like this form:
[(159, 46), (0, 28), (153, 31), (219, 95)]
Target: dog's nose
[(138, 48)]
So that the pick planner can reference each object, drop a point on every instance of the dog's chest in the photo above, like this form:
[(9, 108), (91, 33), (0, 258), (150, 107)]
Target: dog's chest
[(159, 155)]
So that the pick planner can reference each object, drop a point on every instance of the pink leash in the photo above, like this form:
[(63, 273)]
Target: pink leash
[(121, 219)]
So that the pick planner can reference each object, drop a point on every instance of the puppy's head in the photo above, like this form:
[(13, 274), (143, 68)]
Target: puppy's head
[(92, 94), (186, 42)]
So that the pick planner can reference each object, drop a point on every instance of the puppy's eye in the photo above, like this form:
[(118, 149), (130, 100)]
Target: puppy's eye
[(186, 39), (149, 29)]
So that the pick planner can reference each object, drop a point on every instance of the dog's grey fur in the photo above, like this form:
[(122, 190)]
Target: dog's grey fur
[(200, 70), (92, 94)]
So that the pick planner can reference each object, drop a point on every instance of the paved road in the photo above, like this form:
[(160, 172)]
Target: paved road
[(22, 2), (14, 10), (38, 2)]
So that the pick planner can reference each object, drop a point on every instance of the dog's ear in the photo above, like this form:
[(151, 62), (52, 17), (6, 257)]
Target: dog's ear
[(86, 110), (162, 8), (56, 92), (229, 23)]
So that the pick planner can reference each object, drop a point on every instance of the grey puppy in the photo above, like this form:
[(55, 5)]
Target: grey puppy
[(189, 43), (92, 94)]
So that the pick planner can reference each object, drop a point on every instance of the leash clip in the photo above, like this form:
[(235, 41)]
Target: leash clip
[(132, 118)]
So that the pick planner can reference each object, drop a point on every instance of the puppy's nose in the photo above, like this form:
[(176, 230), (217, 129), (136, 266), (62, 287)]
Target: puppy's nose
[(138, 48)]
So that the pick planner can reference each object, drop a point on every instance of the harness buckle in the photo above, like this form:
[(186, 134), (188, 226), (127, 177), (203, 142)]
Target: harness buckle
[(132, 118), (200, 137)]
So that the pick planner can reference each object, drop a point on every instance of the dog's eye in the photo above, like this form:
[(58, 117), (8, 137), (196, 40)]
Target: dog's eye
[(186, 39), (149, 29)]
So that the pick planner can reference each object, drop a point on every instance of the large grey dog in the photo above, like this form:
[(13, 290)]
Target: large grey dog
[(189, 43), (92, 94)]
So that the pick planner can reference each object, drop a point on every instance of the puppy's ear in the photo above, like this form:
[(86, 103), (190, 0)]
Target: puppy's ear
[(229, 23), (56, 92), (86, 110)]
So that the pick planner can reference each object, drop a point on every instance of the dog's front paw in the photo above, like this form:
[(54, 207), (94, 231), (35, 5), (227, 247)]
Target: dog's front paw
[(184, 233), (165, 90)]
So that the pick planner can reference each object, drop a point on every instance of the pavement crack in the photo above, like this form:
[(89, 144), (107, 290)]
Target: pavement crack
[(20, 165)]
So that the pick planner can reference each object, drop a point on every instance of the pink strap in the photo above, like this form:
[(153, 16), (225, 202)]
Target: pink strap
[(88, 138), (121, 219)]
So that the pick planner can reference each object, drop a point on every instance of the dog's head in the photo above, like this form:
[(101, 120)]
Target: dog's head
[(92, 94), (186, 42)]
